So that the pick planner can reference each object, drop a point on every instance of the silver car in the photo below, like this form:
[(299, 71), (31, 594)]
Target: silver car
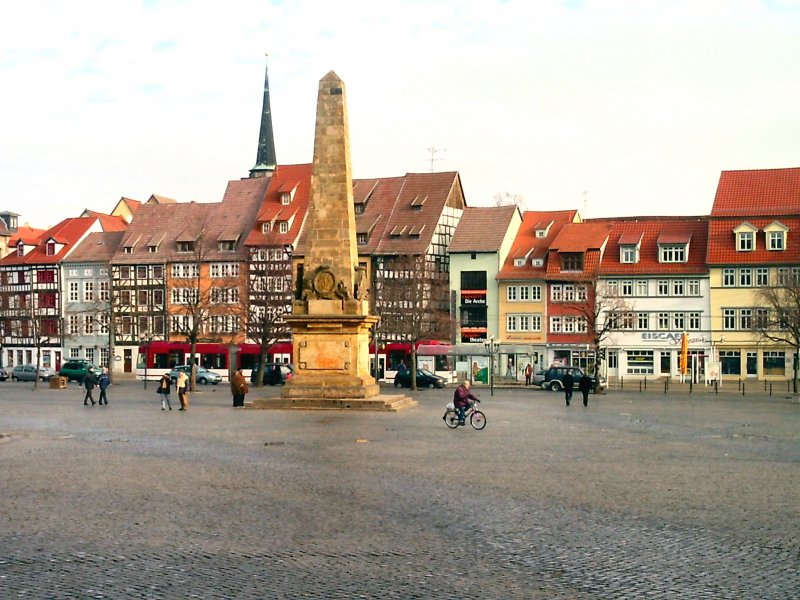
[(28, 373)]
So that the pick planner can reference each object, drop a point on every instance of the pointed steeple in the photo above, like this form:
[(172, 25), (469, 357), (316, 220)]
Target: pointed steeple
[(265, 160)]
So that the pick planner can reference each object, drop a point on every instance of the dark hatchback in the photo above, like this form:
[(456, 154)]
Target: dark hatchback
[(425, 379), (274, 373)]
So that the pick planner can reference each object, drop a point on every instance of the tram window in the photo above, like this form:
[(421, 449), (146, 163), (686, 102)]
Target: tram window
[(161, 361), (248, 361), (213, 361)]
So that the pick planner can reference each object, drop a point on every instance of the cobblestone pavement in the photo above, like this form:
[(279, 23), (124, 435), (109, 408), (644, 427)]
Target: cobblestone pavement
[(636, 496)]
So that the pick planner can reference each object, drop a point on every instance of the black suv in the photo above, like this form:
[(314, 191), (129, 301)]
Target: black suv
[(76, 370), (554, 378)]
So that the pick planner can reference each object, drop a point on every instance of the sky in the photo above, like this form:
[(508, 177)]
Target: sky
[(614, 108)]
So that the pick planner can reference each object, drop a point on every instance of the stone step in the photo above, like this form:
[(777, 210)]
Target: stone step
[(390, 403)]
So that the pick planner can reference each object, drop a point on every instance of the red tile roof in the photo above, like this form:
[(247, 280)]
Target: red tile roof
[(285, 178), (761, 192), (108, 222), (580, 237), (527, 245), (722, 242), (652, 231), (68, 232), (482, 228)]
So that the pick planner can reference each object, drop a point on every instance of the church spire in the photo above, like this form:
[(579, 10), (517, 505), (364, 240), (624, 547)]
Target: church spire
[(265, 160)]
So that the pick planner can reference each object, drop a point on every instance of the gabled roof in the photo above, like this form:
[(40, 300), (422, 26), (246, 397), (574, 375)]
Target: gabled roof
[(389, 206), (66, 233), (586, 238), (191, 221), (652, 231), (271, 210), (158, 199), (526, 245), (96, 247), (759, 192), (482, 229), (440, 190), (29, 235), (107, 222)]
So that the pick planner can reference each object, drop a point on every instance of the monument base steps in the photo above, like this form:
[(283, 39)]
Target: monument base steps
[(385, 403)]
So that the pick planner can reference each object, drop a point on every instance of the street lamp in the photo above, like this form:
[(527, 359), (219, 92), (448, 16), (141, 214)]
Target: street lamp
[(492, 348), (147, 338)]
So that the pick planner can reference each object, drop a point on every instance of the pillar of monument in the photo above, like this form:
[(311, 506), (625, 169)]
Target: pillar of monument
[(330, 322)]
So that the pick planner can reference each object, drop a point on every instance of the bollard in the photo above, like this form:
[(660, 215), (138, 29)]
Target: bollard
[(770, 389), (645, 383), (716, 386), (740, 385), (621, 383), (765, 385), (691, 383), (666, 385), (743, 388), (640, 387)]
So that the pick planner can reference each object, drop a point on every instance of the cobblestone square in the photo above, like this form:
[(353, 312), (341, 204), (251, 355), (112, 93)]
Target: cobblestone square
[(637, 496)]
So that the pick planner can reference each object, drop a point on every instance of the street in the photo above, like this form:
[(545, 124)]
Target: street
[(635, 496)]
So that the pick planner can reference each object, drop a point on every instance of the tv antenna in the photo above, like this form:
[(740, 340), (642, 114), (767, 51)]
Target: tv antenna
[(434, 152)]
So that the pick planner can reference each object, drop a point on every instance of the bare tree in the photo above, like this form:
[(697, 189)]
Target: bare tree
[(201, 305), (776, 319), (603, 311), (508, 199), (270, 298), (412, 299)]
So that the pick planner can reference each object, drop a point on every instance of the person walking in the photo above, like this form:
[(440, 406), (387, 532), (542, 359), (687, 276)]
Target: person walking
[(103, 382), (163, 390), (89, 381), (180, 385), (239, 388), (528, 374), (585, 385), (569, 385)]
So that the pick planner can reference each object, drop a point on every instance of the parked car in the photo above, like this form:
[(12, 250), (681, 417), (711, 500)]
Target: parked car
[(538, 377), (28, 373), (424, 379), (554, 377), (274, 373), (203, 375), (77, 369), (3, 374)]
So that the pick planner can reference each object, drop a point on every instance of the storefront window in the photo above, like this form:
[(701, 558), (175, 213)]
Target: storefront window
[(752, 363), (640, 362), (731, 362), (774, 362)]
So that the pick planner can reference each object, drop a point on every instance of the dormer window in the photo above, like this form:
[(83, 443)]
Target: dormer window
[(541, 233), (20, 249), (127, 250), (359, 208), (537, 262), (745, 241), (672, 253), (185, 246), (286, 198), (50, 249), (628, 254), (519, 262), (362, 239), (265, 227), (417, 202), (152, 249), (572, 261), (776, 236), (283, 226), (227, 246)]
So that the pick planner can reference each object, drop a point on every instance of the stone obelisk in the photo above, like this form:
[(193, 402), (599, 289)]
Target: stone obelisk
[(330, 322)]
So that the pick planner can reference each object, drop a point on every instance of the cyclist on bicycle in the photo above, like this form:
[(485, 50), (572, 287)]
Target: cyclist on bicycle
[(463, 399)]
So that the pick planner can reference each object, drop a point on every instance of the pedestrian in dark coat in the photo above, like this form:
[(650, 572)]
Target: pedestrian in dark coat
[(569, 385), (585, 386), (103, 382), (163, 390), (89, 382)]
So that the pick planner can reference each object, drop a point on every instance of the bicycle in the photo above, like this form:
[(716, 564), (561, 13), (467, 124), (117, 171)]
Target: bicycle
[(476, 417)]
